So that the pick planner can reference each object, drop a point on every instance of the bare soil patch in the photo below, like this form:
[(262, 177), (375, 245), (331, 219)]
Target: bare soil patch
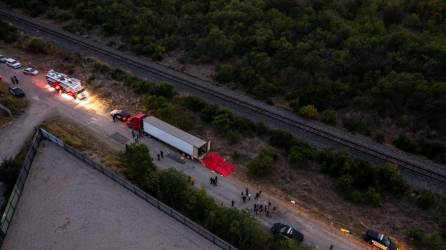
[(96, 148), (16, 105)]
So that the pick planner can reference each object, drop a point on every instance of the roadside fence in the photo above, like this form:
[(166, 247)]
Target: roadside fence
[(18, 187), (43, 134)]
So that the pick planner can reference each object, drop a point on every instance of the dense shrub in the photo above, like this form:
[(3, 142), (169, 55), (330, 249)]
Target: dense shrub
[(294, 104), (38, 46), (406, 143), (9, 33), (378, 137), (194, 104), (425, 199), (139, 162), (309, 111), (153, 104), (329, 117), (433, 149), (358, 180), (262, 165), (422, 240), (356, 124), (300, 155), (282, 139), (224, 73)]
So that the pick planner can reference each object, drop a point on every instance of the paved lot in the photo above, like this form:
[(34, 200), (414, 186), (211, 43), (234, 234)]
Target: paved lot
[(68, 205)]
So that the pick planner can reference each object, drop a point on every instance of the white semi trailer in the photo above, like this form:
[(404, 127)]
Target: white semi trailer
[(186, 143)]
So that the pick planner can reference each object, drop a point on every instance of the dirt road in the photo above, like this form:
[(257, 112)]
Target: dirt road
[(44, 103)]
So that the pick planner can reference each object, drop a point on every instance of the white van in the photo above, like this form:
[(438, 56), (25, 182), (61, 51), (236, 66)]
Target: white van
[(13, 63)]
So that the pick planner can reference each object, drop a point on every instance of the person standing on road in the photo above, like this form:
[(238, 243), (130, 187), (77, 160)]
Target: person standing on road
[(246, 192), (16, 80)]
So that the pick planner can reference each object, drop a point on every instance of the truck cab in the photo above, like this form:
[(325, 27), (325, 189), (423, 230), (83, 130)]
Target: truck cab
[(136, 122)]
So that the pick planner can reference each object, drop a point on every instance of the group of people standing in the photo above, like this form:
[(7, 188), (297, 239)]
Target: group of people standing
[(160, 155), (246, 196), (214, 180), (259, 208), (264, 209), (14, 80), (135, 136)]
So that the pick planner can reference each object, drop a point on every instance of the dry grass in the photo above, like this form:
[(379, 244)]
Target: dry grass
[(16, 105), (85, 141)]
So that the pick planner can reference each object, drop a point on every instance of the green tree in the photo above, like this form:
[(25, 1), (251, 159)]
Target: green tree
[(163, 89), (174, 188), (224, 73), (406, 143), (139, 162), (193, 103), (239, 228), (372, 197), (422, 240), (9, 32), (200, 206), (300, 155), (425, 199), (154, 103), (328, 116), (216, 45), (378, 137), (38, 46), (281, 243), (262, 165), (309, 111)]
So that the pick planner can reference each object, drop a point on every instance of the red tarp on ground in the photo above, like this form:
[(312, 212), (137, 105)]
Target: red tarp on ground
[(214, 161)]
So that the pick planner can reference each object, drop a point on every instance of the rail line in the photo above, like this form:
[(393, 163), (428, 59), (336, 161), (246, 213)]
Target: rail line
[(416, 169)]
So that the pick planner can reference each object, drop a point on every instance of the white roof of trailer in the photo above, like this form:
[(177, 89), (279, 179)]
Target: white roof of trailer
[(178, 133)]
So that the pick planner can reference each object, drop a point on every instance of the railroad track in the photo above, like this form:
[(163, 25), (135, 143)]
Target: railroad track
[(414, 168)]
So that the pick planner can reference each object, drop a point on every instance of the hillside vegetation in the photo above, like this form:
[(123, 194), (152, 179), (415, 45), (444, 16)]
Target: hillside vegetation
[(379, 64)]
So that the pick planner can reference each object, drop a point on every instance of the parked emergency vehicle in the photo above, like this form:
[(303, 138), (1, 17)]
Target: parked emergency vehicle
[(66, 84)]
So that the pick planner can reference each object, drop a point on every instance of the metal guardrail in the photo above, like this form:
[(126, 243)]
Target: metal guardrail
[(43, 134), (18, 187)]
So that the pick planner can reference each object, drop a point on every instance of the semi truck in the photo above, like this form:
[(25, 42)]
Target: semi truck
[(66, 84), (190, 145)]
